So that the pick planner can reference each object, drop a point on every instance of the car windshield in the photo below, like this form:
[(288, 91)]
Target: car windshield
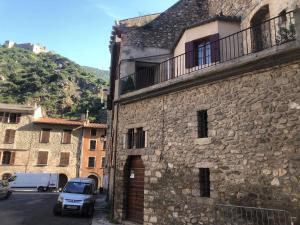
[(78, 188)]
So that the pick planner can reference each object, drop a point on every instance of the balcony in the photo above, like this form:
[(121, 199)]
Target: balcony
[(259, 37)]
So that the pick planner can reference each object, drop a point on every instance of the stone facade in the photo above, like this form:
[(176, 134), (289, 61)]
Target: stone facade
[(252, 148)]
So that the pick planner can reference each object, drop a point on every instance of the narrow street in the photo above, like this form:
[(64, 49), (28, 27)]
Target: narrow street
[(35, 209)]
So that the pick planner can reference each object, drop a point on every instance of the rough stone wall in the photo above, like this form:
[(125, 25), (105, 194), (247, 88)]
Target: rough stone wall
[(54, 148), (21, 145), (252, 149)]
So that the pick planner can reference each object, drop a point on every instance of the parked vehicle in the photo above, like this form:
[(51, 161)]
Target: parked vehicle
[(78, 196), (5, 190), (38, 181)]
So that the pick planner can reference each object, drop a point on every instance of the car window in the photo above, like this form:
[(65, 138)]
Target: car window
[(78, 188)]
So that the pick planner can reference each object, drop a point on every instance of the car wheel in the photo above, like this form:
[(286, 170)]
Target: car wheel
[(90, 211), (56, 211), (7, 195), (40, 189)]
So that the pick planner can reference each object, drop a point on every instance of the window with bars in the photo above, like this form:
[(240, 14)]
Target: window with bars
[(66, 138), (10, 117), (9, 137), (64, 158), (42, 158), (45, 135), (140, 138), (130, 138), (202, 124), (93, 144), (93, 132), (91, 162), (204, 179), (8, 158)]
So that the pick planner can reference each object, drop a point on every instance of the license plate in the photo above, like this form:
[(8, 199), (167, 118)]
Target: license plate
[(71, 207)]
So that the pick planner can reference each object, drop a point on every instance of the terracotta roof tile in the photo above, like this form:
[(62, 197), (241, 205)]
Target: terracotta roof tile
[(46, 120)]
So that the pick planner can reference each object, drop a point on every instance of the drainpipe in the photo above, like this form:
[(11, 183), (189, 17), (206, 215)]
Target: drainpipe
[(115, 158), (80, 150)]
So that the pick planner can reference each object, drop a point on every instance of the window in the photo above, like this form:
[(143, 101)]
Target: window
[(42, 158), (282, 18), (140, 138), (130, 138), (203, 51), (104, 145), (93, 144), (8, 158), (204, 179), (93, 132), (45, 135), (202, 124), (66, 138), (91, 163), (1, 116), (9, 137), (11, 117), (64, 158), (103, 162)]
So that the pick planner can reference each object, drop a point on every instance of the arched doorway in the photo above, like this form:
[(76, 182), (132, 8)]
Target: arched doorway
[(62, 180), (95, 178), (261, 29), (5, 176), (134, 184)]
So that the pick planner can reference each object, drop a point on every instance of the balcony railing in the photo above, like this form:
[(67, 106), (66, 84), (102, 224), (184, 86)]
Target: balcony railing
[(265, 35)]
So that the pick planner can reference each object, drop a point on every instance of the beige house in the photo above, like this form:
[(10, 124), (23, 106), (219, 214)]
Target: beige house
[(34, 143), (204, 114)]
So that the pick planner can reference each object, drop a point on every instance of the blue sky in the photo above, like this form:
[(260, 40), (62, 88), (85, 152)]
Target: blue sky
[(77, 29)]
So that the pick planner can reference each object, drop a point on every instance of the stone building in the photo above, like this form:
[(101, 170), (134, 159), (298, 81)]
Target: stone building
[(204, 114), (35, 48), (35, 143)]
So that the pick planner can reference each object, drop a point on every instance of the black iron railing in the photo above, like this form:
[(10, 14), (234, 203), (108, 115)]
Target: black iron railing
[(241, 215), (260, 36)]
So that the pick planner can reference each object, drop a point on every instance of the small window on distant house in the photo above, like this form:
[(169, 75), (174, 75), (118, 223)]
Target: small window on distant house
[(9, 137), (12, 117), (103, 162), (42, 158), (64, 159), (93, 132), (45, 135), (93, 144), (140, 138), (66, 138), (204, 179), (104, 145), (202, 124), (130, 138), (8, 158), (91, 163)]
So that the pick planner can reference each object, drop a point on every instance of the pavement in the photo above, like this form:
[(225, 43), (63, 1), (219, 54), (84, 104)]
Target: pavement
[(101, 212)]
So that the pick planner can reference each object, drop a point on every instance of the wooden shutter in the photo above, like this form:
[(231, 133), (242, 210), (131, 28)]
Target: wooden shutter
[(0, 156), (215, 48), (189, 54), (12, 158), (18, 118), (6, 137), (12, 134), (42, 158), (45, 135), (64, 158), (67, 134), (6, 117)]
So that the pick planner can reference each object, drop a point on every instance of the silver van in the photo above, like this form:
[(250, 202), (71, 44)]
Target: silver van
[(78, 196)]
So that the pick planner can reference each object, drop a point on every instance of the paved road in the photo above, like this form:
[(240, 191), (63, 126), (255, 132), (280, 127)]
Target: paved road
[(35, 209)]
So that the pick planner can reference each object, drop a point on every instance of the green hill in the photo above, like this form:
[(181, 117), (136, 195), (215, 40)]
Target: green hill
[(103, 74), (62, 87)]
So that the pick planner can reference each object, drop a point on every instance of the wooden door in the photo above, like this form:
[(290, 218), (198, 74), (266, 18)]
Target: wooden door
[(135, 198)]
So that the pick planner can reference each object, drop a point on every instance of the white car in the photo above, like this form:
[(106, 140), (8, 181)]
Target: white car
[(78, 196), (5, 191)]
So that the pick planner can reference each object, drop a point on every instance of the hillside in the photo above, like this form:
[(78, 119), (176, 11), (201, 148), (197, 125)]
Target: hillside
[(103, 74), (61, 86)]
